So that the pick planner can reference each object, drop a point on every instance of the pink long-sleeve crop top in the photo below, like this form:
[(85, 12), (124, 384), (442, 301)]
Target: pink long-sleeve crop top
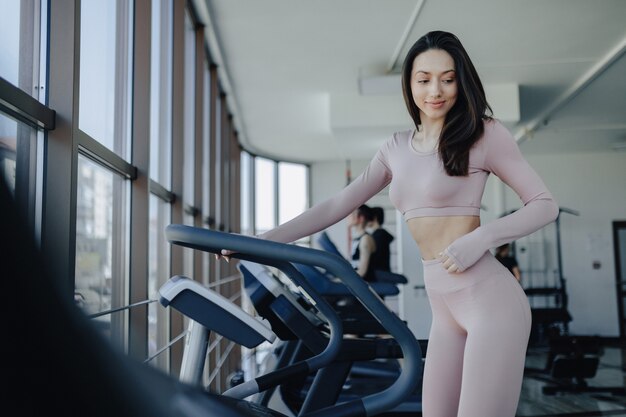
[(420, 187)]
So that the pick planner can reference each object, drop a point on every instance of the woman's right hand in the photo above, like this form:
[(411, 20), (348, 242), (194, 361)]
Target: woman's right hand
[(224, 253)]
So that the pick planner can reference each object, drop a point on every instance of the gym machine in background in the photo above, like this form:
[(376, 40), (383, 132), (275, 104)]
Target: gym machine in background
[(541, 264), (571, 359)]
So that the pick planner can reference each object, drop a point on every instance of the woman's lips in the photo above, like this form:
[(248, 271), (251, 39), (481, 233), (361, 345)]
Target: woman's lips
[(436, 104)]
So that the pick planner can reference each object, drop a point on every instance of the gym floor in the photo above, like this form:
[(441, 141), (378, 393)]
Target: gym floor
[(611, 373)]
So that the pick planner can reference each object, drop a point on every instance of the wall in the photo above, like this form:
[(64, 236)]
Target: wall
[(591, 183)]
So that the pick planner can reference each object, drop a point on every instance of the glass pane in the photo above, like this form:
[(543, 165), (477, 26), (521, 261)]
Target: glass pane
[(621, 236), (10, 45), (101, 240), (19, 145), (159, 268), (246, 188), (105, 73), (161, 93), (265, 194), (189, 113), (206, 145), (8, 149), (189, 108), (21, 34), (292, 190)]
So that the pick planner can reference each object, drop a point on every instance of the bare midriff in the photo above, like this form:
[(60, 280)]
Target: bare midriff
[(434, 234)]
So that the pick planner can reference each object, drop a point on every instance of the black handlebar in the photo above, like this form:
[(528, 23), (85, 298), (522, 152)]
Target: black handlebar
[(264, 252)]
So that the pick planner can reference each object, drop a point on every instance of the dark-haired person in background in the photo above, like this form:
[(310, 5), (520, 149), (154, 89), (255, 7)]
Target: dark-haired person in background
[(363, 245), (382, 239), (506, 258)]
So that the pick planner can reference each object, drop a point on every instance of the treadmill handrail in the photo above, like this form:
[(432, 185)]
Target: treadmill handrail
[(214, 241)]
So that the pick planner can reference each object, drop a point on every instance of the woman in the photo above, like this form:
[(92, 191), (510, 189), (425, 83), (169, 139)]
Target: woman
[(363, 245), (437, 173)]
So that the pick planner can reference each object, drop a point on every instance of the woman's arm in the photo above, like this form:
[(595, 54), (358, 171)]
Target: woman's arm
[(366, 248), (517, 273), (374, 178), (504, 159)]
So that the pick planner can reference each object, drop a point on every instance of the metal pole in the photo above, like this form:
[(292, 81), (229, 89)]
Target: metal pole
[(196, 345)]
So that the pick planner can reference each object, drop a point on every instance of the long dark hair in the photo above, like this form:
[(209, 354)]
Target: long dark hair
[(463, 125), (365, 211)]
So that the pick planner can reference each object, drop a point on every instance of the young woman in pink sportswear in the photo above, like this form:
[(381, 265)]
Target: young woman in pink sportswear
[(436, 172)]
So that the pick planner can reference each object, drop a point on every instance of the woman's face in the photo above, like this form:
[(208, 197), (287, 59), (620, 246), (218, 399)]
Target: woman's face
[(433, 84)]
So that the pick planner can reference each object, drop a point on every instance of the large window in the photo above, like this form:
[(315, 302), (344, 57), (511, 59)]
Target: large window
[(207, 174), (161, 93), (103, 227), (271, 193), (293, 197), (19, 161), (10, 45), (23, 30), (105, 73), (112, 155), (265, 194), (281, 192), (247, 209), (161, 173), (101, 239), (8, 149), (159, 259), (189, 114), (189, 107)]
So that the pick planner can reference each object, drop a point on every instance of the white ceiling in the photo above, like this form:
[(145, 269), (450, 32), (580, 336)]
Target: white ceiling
[(292, 69)]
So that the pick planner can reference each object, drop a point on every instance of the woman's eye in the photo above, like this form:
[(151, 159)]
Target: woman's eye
[(450, 81), (422, 81)]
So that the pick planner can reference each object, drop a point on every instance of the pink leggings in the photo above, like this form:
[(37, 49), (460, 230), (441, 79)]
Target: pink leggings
[(477, 344)]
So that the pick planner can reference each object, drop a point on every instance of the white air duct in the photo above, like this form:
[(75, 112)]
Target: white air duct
[(503, 98)]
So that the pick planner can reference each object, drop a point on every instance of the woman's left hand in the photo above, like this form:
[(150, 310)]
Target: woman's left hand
[(448, 263)]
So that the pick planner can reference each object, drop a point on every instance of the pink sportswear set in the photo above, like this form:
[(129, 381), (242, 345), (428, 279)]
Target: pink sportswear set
[(481, 317)]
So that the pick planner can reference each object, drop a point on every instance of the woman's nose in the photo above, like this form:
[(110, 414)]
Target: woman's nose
[(435, 89)]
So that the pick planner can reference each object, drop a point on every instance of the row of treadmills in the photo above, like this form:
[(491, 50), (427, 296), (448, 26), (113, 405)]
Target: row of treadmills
[(346, 355), (336, 348)]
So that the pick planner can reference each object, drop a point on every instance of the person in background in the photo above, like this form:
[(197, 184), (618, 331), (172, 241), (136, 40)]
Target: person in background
[(382, 238), (506, 258), (363, 245)]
